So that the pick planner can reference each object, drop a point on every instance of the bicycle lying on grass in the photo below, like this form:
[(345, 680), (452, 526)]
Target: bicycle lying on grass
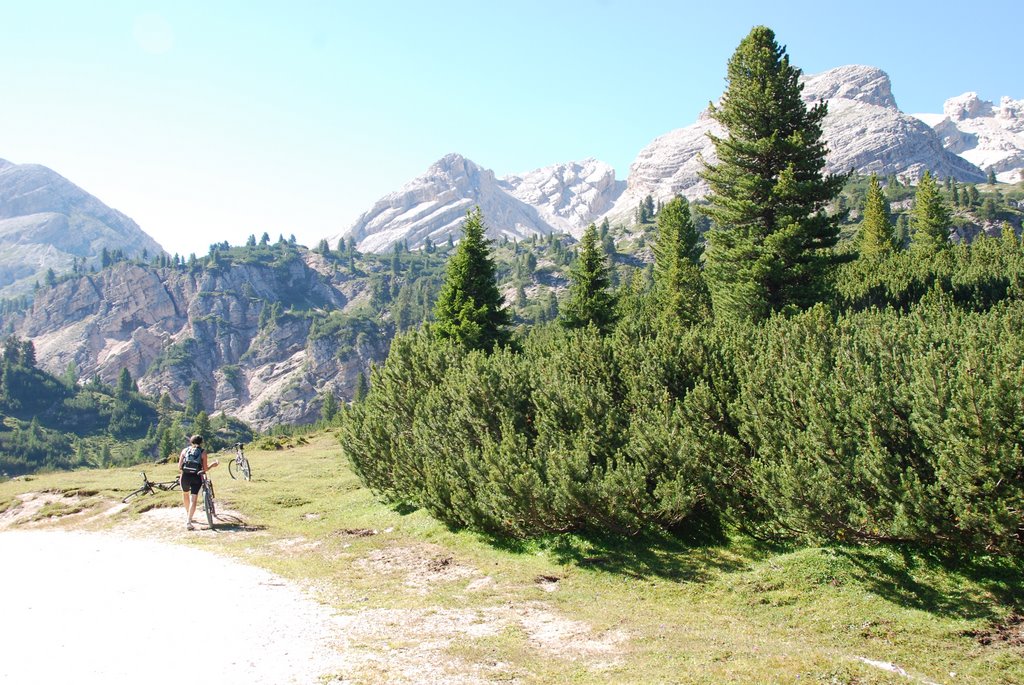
[(150, 488), (239, 467)]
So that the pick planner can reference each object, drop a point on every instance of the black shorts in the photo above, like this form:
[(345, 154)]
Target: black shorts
[(191, 482)]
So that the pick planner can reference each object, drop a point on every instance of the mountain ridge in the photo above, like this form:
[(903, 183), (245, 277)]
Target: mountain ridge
[(48, 222), (865, 130)]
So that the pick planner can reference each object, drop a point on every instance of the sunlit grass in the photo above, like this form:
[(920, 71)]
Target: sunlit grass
[(728, 612)]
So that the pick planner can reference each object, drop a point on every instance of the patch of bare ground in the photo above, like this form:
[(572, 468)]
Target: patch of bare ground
[(296, 545), (36, 509), (355, 532), (422, 566), (1009, 632), (167, 523), (417, 642), (547, 583)]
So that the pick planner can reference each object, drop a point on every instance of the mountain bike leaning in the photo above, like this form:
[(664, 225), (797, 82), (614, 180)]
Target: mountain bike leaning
[(193, 464), (239, 467), (208, 505)]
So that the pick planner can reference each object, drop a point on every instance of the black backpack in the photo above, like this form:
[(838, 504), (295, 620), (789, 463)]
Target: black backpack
[(193, 461)]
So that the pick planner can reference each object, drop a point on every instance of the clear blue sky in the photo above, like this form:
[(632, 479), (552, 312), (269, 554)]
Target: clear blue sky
[(208, 121)]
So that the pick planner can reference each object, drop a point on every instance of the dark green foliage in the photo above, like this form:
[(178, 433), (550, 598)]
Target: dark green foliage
[(930, 220), (328, 406), (194, 401), (894, 418), (51, 423), (361, 389), (125, 384), (550, 439), (768, 197), (347, 332), (976, 276), (589, 303), (876, 239), (201, 426), (469, 308), (679, 285)]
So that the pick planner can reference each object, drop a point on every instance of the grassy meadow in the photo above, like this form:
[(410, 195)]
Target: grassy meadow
[(437, 605)]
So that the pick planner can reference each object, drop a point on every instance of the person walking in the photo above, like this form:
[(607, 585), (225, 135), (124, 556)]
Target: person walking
[(193, 463)]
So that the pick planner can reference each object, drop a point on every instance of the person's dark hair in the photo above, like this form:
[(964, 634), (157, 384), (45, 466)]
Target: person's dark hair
[(196, 440)]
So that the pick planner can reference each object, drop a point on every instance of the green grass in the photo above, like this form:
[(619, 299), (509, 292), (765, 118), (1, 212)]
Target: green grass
[(735, 611)]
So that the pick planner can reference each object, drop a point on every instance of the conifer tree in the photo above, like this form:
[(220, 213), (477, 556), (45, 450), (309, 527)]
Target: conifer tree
[(877, 237), (649, 207), (329, 407), (771, 246), (201, 426), (125, 384), (677, 237), (590, 301), (70, 376), (680, 289), (902, 230), (929, 219), (194, 402), (469, 308), (361, 389)]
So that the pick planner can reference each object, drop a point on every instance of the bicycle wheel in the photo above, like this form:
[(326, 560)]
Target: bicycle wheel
[(233, 469), (246, 469), (137, 492), (208, 502)]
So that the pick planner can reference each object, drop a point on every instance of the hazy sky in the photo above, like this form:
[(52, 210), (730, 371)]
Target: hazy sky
[(209, 121)]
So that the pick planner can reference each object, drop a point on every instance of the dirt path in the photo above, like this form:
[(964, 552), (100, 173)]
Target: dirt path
[(104, 608)]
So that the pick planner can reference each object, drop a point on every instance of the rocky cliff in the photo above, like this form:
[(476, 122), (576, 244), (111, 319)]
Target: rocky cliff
[(247, 332), (987, 135), (864, 128), (563, 198), (47, 222), (568, 197)]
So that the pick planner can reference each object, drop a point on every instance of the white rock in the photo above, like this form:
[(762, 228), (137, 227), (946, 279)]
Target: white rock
[(46, 221), (989, 136)]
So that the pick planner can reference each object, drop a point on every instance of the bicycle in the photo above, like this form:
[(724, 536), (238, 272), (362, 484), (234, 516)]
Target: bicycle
[(150, 488), (240, 465), (208, 505)]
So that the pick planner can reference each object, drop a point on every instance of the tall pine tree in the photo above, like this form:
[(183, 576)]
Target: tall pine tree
[(678, 283), (590, 301), (877, 238), (929, 219), (771, 248), (469, 308)]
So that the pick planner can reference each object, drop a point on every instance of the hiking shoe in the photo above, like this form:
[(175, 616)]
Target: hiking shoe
[(189, 526)]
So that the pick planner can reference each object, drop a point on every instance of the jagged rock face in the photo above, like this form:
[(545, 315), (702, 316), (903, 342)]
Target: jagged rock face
[(990, 137), (855, 82), (169, 327), (871, 139), (564, 197), (670, 166), (864, 130), (569, 196), (46, 222), (434, 206)]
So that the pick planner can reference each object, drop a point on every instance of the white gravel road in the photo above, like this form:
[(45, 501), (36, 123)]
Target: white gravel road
[(100, 608)]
